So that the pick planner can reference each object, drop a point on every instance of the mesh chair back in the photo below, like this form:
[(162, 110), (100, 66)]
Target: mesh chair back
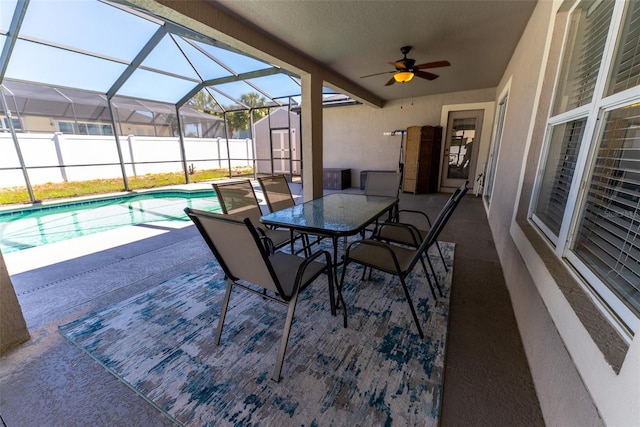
[(444, 216), (277, 192), (382, 184), (237, 247), (238, 199)]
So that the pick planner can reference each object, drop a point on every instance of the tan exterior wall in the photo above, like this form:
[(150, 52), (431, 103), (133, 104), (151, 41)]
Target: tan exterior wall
[(38, 124), (576, 384), (351, 132)]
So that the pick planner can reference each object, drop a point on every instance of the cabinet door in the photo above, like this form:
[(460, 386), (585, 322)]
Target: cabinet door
[(412, 153), (429, 163), (409, 185)]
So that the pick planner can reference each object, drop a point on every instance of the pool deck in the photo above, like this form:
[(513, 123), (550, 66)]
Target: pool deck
[(54, 202)]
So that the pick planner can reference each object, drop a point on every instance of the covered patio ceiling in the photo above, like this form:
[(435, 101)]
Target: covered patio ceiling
[(113, 50), (358, 38)]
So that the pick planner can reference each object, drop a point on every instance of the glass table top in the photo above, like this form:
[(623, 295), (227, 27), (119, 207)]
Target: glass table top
[(335, 214)]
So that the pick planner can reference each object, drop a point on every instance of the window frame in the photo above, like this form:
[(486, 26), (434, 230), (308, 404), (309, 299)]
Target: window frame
[(82, 127), (614, 308), (488, 180)]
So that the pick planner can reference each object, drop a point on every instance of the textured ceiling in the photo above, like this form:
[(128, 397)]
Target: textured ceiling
[(356, 38)]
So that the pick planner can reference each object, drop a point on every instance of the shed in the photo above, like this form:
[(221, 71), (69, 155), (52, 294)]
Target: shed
[(277, 142)]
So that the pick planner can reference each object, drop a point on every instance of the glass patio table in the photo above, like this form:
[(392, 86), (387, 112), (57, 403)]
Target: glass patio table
[(336, 215)]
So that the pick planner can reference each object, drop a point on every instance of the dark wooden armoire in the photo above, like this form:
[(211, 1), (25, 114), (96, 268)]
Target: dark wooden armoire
[(422, 159)]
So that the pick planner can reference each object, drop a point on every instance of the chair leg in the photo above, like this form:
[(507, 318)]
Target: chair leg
[(426, 273), (434, 275), (340, 298), (442, 257), (306, 245), (285, 337), (413, 310), (341, 283), (223, 311), (292, 242)]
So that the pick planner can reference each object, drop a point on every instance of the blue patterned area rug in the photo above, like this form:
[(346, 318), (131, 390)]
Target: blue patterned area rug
[(375, 372)]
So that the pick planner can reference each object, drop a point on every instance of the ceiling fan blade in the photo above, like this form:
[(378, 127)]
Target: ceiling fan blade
[(400, 65), (425, 75), (391, 81), (435, 64), (377, 74)]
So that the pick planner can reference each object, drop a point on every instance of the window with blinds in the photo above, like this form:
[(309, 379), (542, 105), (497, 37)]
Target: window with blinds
[(580, 65), (608, 238), (595, 138), (562, 156), (626, 71)]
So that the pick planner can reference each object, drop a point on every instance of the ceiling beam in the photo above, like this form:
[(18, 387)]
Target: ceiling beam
[(230, 79), (205, 18)]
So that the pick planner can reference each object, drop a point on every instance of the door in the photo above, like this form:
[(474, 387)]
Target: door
[(281, 151), (493, 152), (461, 148)]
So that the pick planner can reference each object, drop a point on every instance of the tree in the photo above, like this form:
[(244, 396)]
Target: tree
[(203, 101), (239, 120), (236, 120)]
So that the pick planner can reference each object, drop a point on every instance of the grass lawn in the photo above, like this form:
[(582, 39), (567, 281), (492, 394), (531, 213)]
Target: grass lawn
[(50, 191)]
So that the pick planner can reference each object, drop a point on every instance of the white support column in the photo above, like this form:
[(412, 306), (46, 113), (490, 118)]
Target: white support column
[(312, 136)]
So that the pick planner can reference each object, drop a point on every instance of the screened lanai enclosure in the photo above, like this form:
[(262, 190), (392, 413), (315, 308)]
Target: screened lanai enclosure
[(95, 89)]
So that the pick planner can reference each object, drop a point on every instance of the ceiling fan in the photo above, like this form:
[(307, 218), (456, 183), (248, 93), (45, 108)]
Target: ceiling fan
[(406, 69)]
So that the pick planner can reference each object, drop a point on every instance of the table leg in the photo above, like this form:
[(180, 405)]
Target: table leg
[(334, 271)]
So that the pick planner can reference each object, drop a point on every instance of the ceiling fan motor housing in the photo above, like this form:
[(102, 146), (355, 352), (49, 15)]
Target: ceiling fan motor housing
[(405, 69)]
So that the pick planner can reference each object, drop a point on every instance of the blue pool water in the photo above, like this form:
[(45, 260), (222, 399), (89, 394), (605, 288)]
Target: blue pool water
[(28, 228)]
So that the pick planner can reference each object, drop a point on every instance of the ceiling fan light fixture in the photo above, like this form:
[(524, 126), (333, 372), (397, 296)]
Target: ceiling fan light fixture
[(403, 76)]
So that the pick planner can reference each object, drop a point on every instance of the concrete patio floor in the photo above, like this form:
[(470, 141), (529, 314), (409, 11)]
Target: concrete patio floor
[(48, 381)]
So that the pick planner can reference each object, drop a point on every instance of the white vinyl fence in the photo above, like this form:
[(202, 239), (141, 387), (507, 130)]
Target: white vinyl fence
[(62, 158)]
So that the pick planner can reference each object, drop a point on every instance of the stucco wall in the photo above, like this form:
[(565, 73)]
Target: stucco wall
[(13, 329), (349, 132), (574, 382)]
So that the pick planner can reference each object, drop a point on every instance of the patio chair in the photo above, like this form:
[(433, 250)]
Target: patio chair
[(385, 184), (395, 259), (410, 235), (238, 199), (243, 256), (277, 193)]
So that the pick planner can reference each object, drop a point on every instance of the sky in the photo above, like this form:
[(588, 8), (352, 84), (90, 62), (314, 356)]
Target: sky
[(88, 45)]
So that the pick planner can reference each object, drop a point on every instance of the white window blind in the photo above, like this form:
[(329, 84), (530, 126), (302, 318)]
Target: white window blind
[(602, 218), (580, 65), (608, 238), (566, 139), (626, 72)]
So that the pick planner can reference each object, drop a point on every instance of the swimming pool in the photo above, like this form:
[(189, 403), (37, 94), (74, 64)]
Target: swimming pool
[(37, 226)]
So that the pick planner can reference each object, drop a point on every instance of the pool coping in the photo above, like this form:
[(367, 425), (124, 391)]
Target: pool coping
[(15, 210)]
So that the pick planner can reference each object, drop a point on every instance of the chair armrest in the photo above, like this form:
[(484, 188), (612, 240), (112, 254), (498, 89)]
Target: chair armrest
[(412, 230), (267, 243), (307, 261), (377, 244), (413, 212), (315, 255)]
